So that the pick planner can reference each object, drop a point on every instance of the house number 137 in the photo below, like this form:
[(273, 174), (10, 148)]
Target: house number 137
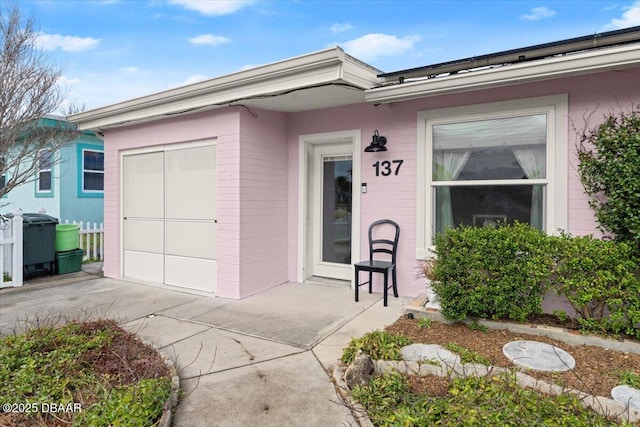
[(384, 168)]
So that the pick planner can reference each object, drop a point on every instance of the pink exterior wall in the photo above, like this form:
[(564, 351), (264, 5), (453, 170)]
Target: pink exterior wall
[(252, 192), (263, 201), (395, 196), (258, 173), (220, 124)]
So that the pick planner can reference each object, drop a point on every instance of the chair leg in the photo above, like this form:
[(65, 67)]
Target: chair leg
[(370, 281), (357, 282), (386, 279), (395, 283)]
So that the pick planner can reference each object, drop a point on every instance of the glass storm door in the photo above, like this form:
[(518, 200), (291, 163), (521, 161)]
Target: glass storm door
[(332, 211)]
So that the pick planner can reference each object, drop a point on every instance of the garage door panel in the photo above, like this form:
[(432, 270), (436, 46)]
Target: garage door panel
[(144, 266), (169, 212), (199, 274), (191, 178), (143, 192), (191, 239), (144, 235)]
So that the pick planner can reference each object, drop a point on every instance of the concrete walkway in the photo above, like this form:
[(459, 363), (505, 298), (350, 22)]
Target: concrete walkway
[(259, 361)]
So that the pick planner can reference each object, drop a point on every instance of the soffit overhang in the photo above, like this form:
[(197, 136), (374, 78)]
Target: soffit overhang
[(328, 78)]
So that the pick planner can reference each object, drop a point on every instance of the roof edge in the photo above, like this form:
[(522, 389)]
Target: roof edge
[(320, 67), (605, 59), (594, 41)]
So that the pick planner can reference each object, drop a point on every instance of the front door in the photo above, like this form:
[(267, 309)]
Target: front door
[(331, 210)]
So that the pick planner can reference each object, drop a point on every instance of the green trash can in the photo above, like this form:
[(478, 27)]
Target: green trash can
[(38, 248), (67, 237)]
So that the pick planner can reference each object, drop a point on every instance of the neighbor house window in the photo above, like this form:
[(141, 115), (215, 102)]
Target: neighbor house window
[(486, 164), (45, 163), (92, 171)]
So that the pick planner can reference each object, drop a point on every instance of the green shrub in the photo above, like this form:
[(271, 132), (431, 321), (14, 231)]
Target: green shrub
[(491, 272), (55, 365), (137, 404), (600, 280), (628, 378), (471, 401), (466, 355), (377, 344), (609, 169)]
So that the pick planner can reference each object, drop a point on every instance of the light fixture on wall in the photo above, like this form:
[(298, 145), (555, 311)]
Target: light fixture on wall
[(377, 143)]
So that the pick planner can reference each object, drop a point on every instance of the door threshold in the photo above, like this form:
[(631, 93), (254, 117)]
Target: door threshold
[(326, 281)]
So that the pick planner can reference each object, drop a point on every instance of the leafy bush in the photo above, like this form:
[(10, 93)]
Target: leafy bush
[(468, 356), (609, 169), (629, 378), (600, 280), (503, 273), (56, 364), (138, 404), (491, 272), (377, 344), (471, 401)]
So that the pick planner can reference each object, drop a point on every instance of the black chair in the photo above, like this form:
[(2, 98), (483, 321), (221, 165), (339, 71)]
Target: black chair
[(385, 246)]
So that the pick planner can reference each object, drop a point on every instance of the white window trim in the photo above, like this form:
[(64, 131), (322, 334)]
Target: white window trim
[(50, 170), (305, 144), (557, 110), (84, 170)]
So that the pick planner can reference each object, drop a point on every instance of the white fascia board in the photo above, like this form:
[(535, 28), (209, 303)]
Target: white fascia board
[(323, 67), (599, 60)]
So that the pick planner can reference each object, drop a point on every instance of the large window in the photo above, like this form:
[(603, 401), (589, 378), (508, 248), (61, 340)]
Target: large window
[(92, 171), (484, 164), (45, 163), (489, 170)]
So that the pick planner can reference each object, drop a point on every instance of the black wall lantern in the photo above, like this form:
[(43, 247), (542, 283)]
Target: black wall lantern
[(377, 143)]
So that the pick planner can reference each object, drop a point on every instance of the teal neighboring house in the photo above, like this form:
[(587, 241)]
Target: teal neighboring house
[(69, 184)]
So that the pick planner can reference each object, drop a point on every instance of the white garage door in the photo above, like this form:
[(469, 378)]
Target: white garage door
[(169, 217)]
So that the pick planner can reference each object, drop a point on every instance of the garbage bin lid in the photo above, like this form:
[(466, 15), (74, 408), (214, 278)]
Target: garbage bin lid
[(35, 218)]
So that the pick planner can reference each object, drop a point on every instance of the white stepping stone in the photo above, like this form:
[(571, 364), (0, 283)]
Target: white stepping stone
[(538, 356), (626, 395), (427, 352)]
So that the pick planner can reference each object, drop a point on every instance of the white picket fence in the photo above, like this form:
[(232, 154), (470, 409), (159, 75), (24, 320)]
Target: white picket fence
[(91, 240), (11, 250)]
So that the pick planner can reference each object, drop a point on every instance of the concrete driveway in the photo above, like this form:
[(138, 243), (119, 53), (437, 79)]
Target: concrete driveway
[(260, 361)]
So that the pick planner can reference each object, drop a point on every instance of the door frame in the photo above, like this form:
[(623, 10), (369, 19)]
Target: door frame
[(306, 144), (146, 150)]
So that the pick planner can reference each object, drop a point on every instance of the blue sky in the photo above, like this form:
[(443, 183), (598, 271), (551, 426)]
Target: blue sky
[(115, 50)]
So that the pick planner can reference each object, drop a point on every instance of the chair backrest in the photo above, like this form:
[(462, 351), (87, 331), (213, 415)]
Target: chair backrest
[(383, 245)]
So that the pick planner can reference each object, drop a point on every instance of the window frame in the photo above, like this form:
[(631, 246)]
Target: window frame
[(39, 191), (555, 206), (81, 150)]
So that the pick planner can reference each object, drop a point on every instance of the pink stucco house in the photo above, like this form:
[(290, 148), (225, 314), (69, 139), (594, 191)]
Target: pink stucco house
[(242, 182)]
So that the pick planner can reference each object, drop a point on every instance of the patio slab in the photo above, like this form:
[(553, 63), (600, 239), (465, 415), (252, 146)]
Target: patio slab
[(290, 391)]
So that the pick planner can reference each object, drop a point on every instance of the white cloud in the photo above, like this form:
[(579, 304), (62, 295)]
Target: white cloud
[(208, 40), (66, 43), (538, 13), (63, 81), (630, 18), (341, 27), (372, 46), (130, 69), (212, 8)]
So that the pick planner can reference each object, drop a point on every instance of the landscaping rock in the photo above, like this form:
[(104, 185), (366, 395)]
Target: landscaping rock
[(538, 356), (360, 370), (429, 352), (626, 395)]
